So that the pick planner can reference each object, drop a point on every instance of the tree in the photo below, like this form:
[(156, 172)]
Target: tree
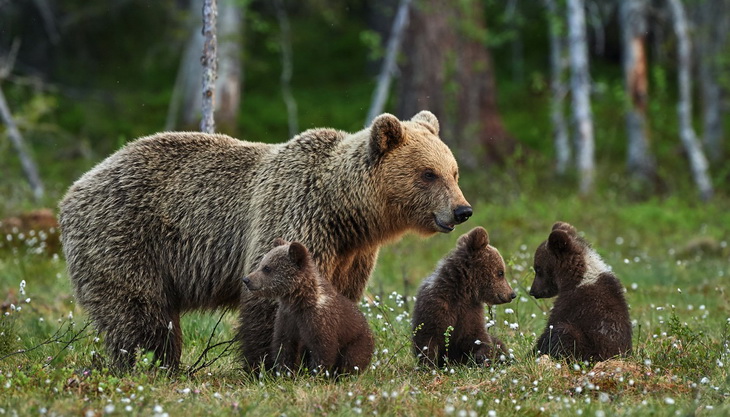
[(186, 102), (557, 87), (448, 70), (697, 160), (640, 162), (210, 64), (580, 87), (286, 67)]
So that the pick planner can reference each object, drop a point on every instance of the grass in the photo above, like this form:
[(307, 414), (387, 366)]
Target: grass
[(670, 253)]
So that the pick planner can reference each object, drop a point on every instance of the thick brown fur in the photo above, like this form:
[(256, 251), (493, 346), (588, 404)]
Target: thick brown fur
[(314, 323), (467, 278), (173, 222), (590, 318)]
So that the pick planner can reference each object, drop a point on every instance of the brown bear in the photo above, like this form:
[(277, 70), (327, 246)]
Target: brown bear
[(314, 322), (590, 318), (450, 304), (174, 221)]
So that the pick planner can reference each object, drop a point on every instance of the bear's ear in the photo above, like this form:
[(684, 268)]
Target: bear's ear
[(427, 119), (560, 241), (386, 134), (475, 240), (565, 226), (298, 254), (279, 242)]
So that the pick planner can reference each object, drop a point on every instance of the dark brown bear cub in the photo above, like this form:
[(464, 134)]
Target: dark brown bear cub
[(451, 301), (314, 323), (590, 318)]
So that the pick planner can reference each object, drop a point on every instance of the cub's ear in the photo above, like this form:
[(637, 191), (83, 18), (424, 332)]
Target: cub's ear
[(386, 134), (565, 226), (298, 254), (279, 242), (476, 239), (427, 119), (560, 241)]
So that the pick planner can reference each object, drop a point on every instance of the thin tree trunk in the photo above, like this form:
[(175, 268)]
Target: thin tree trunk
[(29, 167), (557, 88), (210, 63), (380, 96), (640, 162), (286, 67), (696, 156), (580, 87)]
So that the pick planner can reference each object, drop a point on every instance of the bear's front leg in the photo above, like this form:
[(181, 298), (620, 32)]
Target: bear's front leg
[(323, 352), (286, 348), (562, 341), (255, 331)]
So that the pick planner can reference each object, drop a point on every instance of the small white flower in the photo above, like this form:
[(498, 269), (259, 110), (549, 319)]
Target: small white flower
[(109, 408), (704, 380), (169, 326), (477, 342), (508, 311), (669, 400)]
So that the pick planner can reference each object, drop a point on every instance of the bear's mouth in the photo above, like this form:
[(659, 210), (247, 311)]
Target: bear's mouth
[(444, 227)]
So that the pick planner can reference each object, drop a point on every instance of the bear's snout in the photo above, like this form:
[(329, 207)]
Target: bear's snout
[(462, 214)]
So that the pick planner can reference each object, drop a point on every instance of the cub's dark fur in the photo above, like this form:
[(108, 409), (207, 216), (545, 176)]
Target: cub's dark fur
[(590, 318), (454, 296), (314, 322)]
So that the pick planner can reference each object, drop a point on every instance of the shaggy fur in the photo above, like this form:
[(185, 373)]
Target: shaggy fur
[(470, 276), (590, 318), (314, 323), (174, 221)]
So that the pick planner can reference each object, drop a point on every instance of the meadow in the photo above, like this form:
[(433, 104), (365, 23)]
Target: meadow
[(671, 253)]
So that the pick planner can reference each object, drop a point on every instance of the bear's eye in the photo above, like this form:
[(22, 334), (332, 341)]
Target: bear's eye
[(500, 273), (429, 176), (266, 269)]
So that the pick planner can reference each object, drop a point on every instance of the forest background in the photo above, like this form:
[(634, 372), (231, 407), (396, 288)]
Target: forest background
[(608, 114)]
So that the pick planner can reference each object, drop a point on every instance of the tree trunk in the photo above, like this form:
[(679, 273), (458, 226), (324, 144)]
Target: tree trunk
[(26, 161), (640, 162), (448, 70), (557, 87), (713, 22), (696, 156), (286, 67), (380, 96), (186, 101), (210, 64), (580, 88)]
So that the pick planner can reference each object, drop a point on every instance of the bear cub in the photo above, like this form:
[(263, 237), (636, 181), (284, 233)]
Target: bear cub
[(452, 301), (590, 318), (315, 325)]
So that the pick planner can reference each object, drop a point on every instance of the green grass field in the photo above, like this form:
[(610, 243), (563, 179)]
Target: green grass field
[(670, 253)]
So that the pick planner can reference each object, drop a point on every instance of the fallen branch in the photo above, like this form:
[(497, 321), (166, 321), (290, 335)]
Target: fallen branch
[(202, 361)]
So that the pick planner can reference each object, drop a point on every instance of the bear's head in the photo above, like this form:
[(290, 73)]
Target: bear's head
[(564, 261), (282, 270), (417, 176), (484, 268)]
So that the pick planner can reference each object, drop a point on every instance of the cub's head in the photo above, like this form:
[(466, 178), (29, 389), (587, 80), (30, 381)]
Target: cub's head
[(564, 261), (485, 268), (281, 270), (417, 176)]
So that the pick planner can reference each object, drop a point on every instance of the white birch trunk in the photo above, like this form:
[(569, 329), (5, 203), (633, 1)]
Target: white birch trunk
[(26, 161), (228, 82), (210, 64), (640, 162), (380, 96), (581, 87), (557, 88), (287, 67), (698, 162)]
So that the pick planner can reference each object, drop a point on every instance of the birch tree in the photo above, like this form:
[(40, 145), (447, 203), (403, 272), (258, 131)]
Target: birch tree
[(580, 88), (697, 160), (380, 95), (210, 64), (640, 162), (557, 87)]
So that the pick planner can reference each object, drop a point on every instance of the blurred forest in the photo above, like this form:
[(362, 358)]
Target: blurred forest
[(626, 95)]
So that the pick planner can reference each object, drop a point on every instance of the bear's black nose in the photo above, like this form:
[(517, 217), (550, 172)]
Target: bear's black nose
[(462, 214), (246, 280), (513, 295)]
